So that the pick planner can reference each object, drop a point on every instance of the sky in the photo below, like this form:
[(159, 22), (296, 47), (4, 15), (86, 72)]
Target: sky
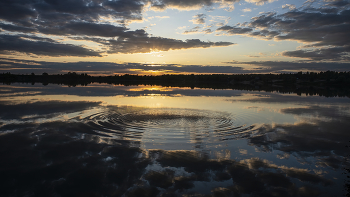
[(154, 37)]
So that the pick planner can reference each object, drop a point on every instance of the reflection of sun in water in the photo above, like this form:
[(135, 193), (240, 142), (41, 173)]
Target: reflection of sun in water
[(151, 88)]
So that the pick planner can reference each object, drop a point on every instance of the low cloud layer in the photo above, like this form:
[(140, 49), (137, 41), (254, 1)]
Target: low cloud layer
[(107, 68), (22, 66), (279, 66)]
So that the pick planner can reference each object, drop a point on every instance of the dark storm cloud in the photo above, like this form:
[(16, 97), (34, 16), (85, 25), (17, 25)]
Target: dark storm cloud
[(10, 44), (328, 28)]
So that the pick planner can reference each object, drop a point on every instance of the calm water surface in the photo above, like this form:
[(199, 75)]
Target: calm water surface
[(105, 140)]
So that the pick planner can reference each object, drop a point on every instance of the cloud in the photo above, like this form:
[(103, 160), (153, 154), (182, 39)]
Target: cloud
[(191, 4), (193, 30), (126, 41), (82, 21), (208, 31), (337, 3), (235, 30), (280, 66), (289, 6), (16, 10), (32, 12), (247, 10), (10, 44), (90, 29), (35, 12), (26, 66), (332, 53), (199, 19), (325, 30), (142, 43), (181, 4), (16, 28), (260, 2)]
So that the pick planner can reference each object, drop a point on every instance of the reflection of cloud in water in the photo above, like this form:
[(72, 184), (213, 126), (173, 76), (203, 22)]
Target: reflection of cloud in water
[(321, 138), (251, 176), (331, 112), (268, 97), (78, 148), (168, 124), (41, 109), (69, 159)]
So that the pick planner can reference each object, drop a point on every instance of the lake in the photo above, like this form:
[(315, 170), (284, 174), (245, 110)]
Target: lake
[(113, 140)]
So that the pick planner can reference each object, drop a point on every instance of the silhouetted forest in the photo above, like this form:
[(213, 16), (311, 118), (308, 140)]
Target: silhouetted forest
[(329, 83)]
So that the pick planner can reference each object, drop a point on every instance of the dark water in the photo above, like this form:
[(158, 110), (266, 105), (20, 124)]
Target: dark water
[(105, 140)]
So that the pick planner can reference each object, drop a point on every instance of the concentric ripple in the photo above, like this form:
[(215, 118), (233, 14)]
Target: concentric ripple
[(167, 125)]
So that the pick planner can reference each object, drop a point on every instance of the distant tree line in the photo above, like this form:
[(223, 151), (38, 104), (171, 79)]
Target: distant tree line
[(329, 83)]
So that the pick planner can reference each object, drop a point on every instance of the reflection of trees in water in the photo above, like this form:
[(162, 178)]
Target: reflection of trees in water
[(328, 84), (55, 159)]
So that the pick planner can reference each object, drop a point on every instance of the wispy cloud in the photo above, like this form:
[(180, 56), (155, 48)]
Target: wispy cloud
[(260, 2), (289, 6), (247, 10), (199, 19)]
